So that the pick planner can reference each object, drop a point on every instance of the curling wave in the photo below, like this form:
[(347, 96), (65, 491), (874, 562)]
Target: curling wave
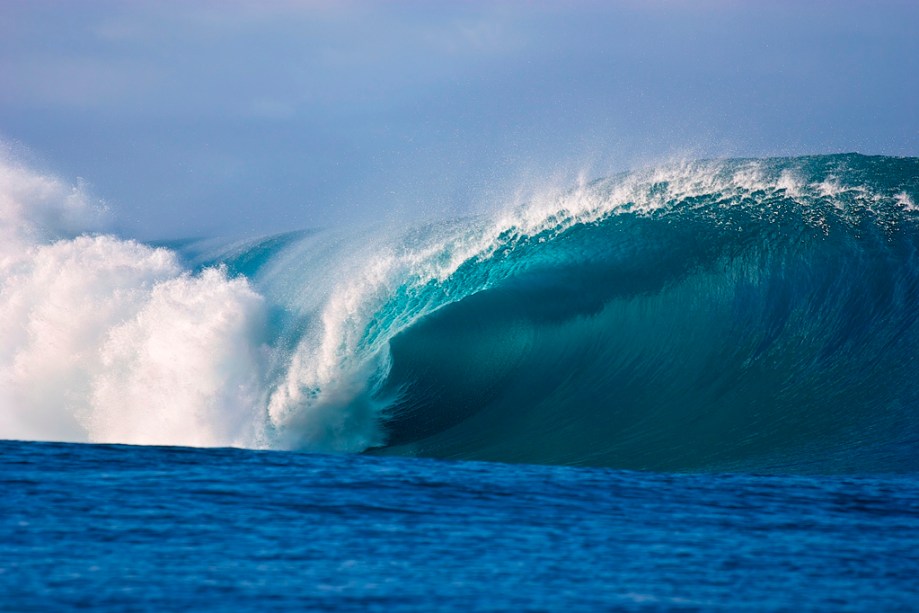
[(755, 315)]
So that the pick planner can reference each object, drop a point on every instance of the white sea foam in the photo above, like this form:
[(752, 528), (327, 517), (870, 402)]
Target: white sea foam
[(906, 202), (186, 369), (36, 207), (103, 339)]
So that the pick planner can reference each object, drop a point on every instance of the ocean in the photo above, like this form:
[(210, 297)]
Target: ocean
[(170, 528), (690, 387)]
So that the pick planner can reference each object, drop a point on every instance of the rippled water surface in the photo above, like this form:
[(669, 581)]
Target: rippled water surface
[(159, 528)]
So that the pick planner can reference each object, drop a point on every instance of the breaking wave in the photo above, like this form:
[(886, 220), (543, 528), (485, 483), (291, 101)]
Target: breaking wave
[(755, 315)]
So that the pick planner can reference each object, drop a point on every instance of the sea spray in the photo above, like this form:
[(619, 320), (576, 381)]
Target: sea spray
[(109, 340)]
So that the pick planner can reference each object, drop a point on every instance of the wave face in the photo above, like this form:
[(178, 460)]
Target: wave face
[(752, 315)]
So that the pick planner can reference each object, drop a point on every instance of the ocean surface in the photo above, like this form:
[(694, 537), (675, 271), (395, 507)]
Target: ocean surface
[(168, 528), (687, 387)]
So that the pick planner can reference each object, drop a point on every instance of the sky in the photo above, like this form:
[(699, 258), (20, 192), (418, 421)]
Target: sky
[(238, 117)]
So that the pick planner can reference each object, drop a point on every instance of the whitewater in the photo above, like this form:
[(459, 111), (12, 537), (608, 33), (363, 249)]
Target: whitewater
[(724, 315)]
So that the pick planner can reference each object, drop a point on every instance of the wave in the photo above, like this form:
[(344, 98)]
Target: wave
[(754, 315)]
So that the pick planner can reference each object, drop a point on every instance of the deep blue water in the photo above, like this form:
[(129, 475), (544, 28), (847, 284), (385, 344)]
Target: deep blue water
[(159, 528)]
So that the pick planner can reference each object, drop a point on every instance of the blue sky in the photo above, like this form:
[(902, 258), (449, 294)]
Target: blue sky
[(237, 117)]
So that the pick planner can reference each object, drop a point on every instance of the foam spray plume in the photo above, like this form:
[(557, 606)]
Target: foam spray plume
[(110, 340)]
